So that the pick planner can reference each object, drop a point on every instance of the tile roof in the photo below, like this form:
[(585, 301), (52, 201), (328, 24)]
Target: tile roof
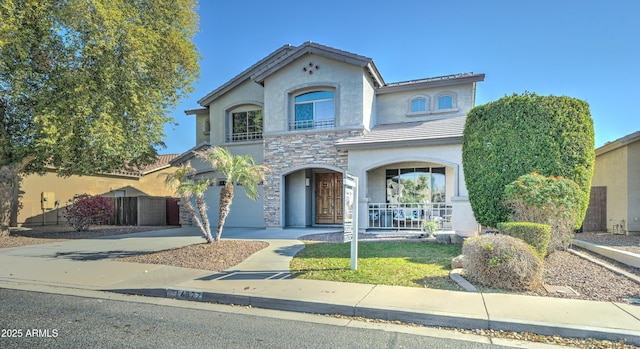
[(441, 131), (439, 81), (620, 142), (181, 158), (162, 162)]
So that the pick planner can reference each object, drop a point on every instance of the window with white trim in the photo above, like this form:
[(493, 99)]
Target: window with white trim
[(314, 109), (416, 185), (445, 102), (245, 125), (419, 105)]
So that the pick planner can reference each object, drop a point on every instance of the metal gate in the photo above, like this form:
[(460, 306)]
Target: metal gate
[(596, 217), (173, 211), (125, 211)]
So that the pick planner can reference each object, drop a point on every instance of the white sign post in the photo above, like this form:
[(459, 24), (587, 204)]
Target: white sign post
[(350, 216)]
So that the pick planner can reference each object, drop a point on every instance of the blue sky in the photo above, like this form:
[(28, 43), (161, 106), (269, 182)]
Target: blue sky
[(584, 49)]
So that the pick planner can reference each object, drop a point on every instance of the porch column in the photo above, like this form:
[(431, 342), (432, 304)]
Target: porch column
[(272, 201), (463, 220)]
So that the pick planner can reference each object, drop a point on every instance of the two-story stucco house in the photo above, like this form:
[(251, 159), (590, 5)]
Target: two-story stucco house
[(312, 112)]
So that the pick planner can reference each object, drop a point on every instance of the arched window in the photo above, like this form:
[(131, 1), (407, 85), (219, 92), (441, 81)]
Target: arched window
[(314, 109), (445, 102), (419, 105), (245, 124)]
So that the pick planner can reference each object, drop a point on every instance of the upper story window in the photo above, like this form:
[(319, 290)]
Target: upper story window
[(245, 126), (418, 105), (445, 102), (314, 110)]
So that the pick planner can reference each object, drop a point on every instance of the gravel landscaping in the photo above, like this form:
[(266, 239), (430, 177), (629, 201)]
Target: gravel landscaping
[(629, 243)]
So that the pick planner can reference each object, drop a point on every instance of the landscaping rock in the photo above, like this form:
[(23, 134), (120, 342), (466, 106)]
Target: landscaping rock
[(457, 262), (457, 239), (444, 238)]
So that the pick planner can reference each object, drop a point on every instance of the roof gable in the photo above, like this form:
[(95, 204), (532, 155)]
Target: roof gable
[(240, 78), (285, 55), (313, 48)]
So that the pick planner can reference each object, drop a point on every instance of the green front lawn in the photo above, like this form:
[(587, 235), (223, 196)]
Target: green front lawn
[(415, 264)]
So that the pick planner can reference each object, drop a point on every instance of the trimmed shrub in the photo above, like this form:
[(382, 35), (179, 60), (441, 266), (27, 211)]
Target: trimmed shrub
[(429, 227), (556, 201), (535, 234), (502, 261), (85, 210), (519, 134)]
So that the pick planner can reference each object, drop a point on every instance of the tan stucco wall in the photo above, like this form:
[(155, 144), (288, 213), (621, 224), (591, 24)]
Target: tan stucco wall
[(65, 188), (633, 180), (611, 170)]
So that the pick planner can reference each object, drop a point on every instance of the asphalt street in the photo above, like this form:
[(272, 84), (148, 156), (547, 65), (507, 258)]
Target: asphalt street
[(39, 320)]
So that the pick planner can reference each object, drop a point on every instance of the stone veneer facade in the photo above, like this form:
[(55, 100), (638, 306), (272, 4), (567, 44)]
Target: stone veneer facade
[(285, 152)]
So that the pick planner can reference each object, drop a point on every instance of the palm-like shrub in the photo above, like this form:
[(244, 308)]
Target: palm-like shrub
[(187, 186), (240, 169)]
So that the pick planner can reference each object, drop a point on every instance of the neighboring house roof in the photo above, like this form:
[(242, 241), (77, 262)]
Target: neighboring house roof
[(162, 162), (189, 154), (442, 131), (285, 55), (620, 142)]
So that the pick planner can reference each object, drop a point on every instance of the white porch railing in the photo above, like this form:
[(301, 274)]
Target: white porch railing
[(409, 216)]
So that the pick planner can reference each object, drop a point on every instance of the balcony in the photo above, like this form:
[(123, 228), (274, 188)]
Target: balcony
[(409, 216), (311, 124)]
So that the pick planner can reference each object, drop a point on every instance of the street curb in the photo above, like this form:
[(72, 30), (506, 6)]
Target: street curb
[(426, 319), (625, 257)]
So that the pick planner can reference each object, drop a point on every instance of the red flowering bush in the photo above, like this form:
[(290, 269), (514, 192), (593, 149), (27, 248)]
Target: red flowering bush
[(84, 210)]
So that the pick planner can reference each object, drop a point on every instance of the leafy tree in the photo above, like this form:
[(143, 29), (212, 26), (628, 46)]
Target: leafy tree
[(520, 134), (86, 86), (187, 187), (240, 169)]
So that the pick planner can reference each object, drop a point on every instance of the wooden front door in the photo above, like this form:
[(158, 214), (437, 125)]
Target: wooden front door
[(329, 198)]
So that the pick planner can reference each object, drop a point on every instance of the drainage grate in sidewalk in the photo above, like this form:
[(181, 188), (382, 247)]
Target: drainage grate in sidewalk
[(247, 275)]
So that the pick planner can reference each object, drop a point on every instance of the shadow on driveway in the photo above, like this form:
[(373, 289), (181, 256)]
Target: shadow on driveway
[(96, 256)]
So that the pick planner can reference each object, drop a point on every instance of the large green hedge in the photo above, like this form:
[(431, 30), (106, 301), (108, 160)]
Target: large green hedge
[(520, 134)]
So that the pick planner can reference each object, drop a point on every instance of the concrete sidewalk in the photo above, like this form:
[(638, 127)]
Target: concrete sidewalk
[(261, 281)]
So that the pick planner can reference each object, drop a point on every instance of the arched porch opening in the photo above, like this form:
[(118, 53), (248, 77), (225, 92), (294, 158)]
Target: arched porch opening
[(312, 196), (406, 194)]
